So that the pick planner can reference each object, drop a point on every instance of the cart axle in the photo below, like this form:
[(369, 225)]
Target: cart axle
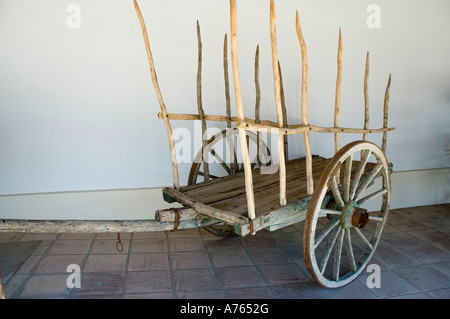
[(354, 216)]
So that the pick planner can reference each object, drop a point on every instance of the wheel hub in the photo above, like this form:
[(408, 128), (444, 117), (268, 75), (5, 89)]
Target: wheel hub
[(354, 216)]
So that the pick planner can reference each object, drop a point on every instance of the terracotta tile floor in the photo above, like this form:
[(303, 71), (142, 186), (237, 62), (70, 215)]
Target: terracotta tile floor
[(414, 259)]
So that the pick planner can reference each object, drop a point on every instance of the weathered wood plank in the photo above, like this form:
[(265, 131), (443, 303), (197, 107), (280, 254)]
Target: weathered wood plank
[(300, 128), (168, 215), (229, 217), (283, 216), (96, 226)]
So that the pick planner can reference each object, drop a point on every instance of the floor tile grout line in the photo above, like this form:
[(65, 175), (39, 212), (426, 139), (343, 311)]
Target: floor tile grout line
[(214, 268), (19, 289), (272, 290), (170, 265), (127, 263), (412, 283), (74, 291)]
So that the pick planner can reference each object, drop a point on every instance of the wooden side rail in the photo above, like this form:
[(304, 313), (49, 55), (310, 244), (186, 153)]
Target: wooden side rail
[(272, 127)]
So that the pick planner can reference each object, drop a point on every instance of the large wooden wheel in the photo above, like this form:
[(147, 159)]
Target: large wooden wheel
[(338, 244), (225, 149)]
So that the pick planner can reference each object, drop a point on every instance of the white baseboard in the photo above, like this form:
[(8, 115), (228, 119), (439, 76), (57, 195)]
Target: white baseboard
[(409, 188), (128, 204)]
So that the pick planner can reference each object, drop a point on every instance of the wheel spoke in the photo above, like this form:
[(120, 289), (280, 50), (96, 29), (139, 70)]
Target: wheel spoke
[(376, 218), (233, 160), (203, 174), (336, 193), (347, 177), (325, 231), (337, 255), (357, 176), (324, 212), (220, 160), (367, 180), (329, 248), (363, 238), (371, 196), (349, 249)]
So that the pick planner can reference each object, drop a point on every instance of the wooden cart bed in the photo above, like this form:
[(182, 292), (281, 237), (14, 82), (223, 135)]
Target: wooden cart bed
[(228, 193)]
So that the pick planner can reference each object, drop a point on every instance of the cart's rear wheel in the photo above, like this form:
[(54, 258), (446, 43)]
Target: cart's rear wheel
[(224, 149), (338, 244)]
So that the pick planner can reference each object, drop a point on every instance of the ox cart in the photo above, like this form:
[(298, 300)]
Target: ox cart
[(242, 194)]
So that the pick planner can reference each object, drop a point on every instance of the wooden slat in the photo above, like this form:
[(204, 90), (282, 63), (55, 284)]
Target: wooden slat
[(228, 193), (202, 208)]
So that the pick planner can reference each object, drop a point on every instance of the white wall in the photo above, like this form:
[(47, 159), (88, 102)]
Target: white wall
[(78, 109)]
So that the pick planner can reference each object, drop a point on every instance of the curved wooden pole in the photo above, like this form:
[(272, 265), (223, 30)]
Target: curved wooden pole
[(176, 180)]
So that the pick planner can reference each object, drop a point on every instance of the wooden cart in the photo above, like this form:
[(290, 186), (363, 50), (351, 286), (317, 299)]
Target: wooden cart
[(328, 194), (253, 193)]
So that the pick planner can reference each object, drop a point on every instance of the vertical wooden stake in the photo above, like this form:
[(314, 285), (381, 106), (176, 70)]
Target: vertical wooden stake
[(2, 289), (227, 82), (366, 97), (304, 108), (337, 101), (257, 103), (176, 180), (201, 114), (385, 114), (283, 104), (240, 113), (230, 137), (279, 106)]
